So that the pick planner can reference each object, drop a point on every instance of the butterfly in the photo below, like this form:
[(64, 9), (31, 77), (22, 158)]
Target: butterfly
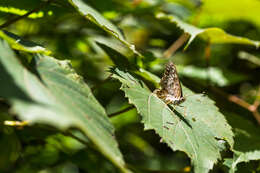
[(170, 91)]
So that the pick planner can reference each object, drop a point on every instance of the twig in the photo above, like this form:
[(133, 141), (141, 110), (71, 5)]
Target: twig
[(176, 45), (253, 108), (16, 123), (9, 22), (208, 52), (238, 101), (136, 2), (257, 116), (122, 111), (207, 55), (257, 100)]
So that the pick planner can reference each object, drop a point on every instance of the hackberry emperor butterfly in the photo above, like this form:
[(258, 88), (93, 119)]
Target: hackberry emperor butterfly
[(171, 91)]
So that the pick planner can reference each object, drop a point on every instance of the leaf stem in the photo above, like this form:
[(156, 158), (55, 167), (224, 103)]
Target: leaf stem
[(253, 108), (207, 55), (11, 21), (176, 45), (122, 111), (232, 98)]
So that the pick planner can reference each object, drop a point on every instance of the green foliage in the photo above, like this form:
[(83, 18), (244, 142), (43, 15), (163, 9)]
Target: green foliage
[(20, 44), (220, 11), (246, 147), (195, 127), (75, 113), (21, 12), (95, 17), (213, 74), (240, 157), (211, 35), (62, 99)]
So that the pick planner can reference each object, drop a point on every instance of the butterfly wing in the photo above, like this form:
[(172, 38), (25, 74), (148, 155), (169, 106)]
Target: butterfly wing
[(170, 82)]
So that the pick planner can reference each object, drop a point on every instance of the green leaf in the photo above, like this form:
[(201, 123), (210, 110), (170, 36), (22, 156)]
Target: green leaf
[(212, 35), (131, 63), (95, 17), (18, 43), (213, 74), (195, 127), (249, 57), (219, 11), (247, 141), (118, 59), (20, 12), (59, 98), (240, 157)]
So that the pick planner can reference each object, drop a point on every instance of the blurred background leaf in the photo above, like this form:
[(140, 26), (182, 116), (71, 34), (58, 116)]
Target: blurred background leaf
[(59, 98)]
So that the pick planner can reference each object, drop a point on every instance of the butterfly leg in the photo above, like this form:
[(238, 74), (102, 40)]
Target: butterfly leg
[(173, 106), (184, 111), (156, 91)]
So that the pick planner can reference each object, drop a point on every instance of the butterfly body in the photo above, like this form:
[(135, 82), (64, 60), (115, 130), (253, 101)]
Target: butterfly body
[(171, 91)]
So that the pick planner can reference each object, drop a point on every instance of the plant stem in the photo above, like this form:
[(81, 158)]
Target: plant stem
[(176, 45), (207, 54), (122, 111), (9, 22), (253, 108)]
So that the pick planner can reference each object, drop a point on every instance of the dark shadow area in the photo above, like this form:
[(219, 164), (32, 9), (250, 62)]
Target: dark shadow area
[(180, 116), (8, 87)]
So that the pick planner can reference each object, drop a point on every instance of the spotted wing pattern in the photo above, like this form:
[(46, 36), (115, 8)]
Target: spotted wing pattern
[(171, 91)]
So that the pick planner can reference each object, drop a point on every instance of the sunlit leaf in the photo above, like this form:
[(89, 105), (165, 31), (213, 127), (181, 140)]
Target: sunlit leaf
[(212, 35), (19, 43), (95, 17), (133, 63), (222, 10), (195, 127), (21, 12), (59, 97)]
